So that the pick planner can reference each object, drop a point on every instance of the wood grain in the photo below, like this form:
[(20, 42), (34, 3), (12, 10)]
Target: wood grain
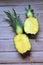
[(6, 32), (8, 45), (25, 64), (8, 53), (14, 57), (18, 2), (21, 9)]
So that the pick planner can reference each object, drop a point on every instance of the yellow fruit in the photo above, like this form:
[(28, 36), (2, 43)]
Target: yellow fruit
[(22, 43), (31, 25)]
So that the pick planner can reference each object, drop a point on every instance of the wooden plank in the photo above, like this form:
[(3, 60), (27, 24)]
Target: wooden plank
[(3, 23), (37, 44), (18, 2), (6, 32), (21, 9), (8, 45), (8, 53), (25, 64), (40, 18), (14, 57), (19, 64)]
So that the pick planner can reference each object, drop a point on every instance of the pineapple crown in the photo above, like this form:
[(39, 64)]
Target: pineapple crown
[(29, 11), (14, 21)]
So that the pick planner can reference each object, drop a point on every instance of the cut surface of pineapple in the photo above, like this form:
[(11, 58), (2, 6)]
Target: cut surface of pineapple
[(31, 25), (22, 43)]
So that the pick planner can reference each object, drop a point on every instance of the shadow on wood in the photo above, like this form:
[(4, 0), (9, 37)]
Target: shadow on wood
[(32, 36), (28, 53)]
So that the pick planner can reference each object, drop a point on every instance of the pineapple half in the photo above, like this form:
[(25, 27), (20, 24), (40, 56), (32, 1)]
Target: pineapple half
[(31, 22), (21, 41)]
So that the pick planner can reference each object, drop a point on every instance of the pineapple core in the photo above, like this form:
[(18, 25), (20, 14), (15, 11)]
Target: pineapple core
[(31, 25), (22, 43)]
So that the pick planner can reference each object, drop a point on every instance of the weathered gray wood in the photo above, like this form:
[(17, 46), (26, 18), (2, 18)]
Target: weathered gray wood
[(8, 53), (21, 9), (8, 45), (6, 32), (14, 57), (40, 19), (25, 64), (18, 2)]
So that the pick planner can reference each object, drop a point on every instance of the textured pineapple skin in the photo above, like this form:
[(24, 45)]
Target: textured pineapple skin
[(22, 43), (31, 25)]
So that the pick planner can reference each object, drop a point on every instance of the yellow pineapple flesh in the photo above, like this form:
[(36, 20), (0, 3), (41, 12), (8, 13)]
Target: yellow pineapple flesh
[(22, 43), (31, 25)]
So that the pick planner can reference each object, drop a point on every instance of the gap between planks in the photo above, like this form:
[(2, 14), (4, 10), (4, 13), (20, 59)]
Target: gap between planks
[(8, 45), (24, 64), (22, 2), (15, 57), (21, 9)]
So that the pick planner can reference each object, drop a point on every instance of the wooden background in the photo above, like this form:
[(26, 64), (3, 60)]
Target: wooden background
[(8, 54)]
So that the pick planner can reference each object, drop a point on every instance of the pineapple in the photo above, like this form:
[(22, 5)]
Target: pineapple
[(21, 41), (31, 22)]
